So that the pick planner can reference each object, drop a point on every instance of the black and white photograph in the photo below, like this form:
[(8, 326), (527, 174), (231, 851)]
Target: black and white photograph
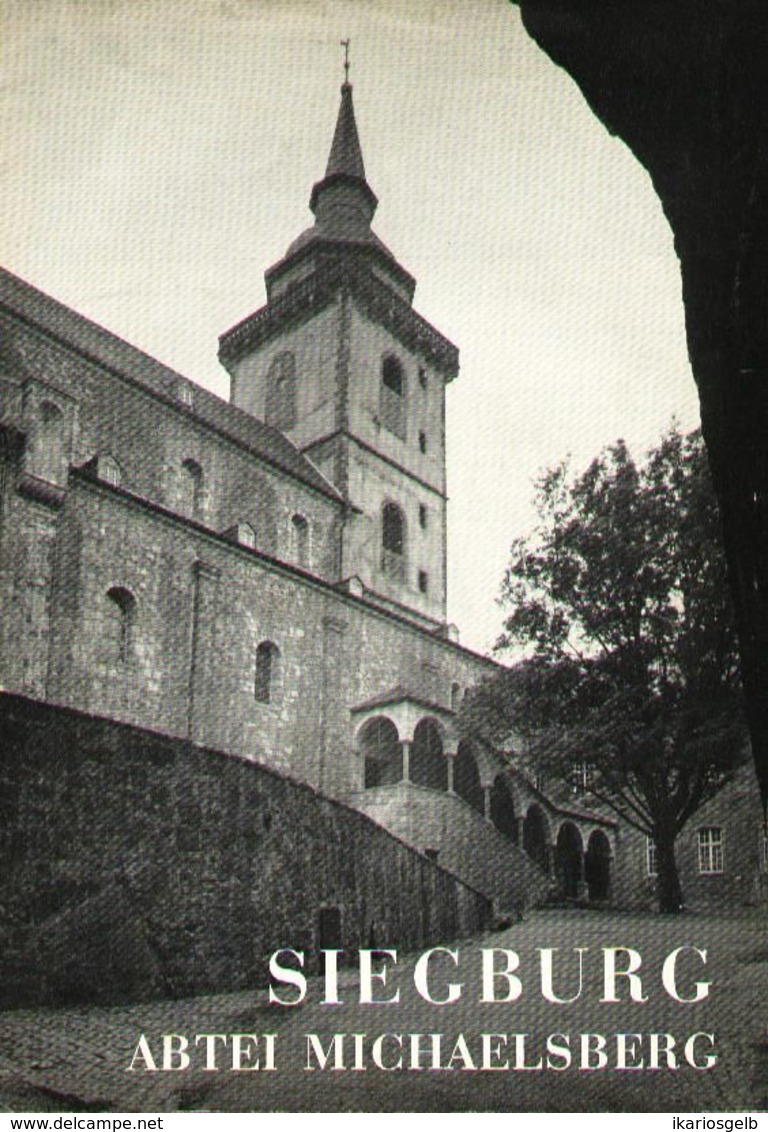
[(384, 557)]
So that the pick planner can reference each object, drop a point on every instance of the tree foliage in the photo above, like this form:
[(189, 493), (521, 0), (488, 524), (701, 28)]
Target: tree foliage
[(621, 597)]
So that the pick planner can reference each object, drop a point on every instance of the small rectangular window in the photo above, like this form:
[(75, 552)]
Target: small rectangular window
[(423, 581), (422, 377), (711, 850), (422, 441), (651, 858), (422, 516)]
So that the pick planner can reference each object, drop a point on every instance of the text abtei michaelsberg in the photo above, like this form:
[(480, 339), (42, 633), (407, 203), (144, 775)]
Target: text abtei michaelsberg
[(560, 976)]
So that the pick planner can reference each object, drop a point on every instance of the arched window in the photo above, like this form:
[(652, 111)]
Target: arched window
[(300, 536), (380, 747), (536, 836), (191, 494), (428, 764), (466, 778), (49, 443), (597, 866), (503, 808), (393, 541), (280, 410), (119, 625), (569, 861), (267, 681), (392, 401)]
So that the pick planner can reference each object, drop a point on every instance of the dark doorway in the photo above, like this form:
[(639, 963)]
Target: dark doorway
[(569, 861), (328, 933), (466, 778), (503, 809), (597, 866), (535, 837)]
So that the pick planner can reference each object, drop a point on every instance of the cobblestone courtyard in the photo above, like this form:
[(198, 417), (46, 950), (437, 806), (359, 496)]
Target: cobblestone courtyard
[(77, 1059)]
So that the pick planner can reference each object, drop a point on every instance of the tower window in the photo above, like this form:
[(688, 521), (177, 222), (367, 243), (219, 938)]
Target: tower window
[(49, 443), (422, 516), (300, 528), (393, 390), (267, 679), (191, 489), (393, 541), (280, 411), (120, 613), (422, 441), (422, 377), (423, 581)]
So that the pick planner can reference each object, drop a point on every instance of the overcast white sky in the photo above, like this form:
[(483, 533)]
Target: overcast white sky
[(159, 155)]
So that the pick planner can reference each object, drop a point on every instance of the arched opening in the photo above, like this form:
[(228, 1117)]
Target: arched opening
[(466, 777), (49, 443), (535, 836), (503, 808), (569, 861), (300, 535), (119, 625), (597, 866), (191, 489), (393, 390), (393, 541), (428, 765), (266, 686), (380, 747), (280, 410)]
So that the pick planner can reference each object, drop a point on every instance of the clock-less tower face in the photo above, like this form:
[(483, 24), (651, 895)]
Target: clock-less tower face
[(339, 361)]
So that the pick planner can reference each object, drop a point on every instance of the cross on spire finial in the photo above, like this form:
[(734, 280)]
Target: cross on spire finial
[(345, 44)]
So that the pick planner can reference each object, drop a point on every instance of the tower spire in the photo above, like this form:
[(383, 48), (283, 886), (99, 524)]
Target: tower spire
[(344, 204), (346, 156)]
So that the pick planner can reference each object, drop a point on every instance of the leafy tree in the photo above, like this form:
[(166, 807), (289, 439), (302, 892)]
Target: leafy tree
[(621, 596)]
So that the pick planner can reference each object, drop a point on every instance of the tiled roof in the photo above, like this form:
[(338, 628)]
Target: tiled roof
[(398, 695), (106, 349)]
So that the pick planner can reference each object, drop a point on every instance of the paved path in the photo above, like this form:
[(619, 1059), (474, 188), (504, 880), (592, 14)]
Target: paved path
[(77, 1059)]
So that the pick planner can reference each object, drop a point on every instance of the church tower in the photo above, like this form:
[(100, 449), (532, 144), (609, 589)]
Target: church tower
[(340, 362)]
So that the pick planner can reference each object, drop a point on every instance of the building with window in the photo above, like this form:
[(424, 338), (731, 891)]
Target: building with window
[(265, 576)]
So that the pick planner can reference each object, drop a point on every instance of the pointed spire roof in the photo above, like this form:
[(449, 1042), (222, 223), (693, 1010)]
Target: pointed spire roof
[(346, 155), (344, 204), (345, 165)]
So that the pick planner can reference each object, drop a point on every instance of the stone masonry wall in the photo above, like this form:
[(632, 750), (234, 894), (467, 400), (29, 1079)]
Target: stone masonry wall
[(469, 845), (134, 865), (335, 652)]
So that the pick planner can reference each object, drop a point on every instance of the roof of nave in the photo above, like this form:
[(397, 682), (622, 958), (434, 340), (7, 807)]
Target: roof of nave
[(125, 361)]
